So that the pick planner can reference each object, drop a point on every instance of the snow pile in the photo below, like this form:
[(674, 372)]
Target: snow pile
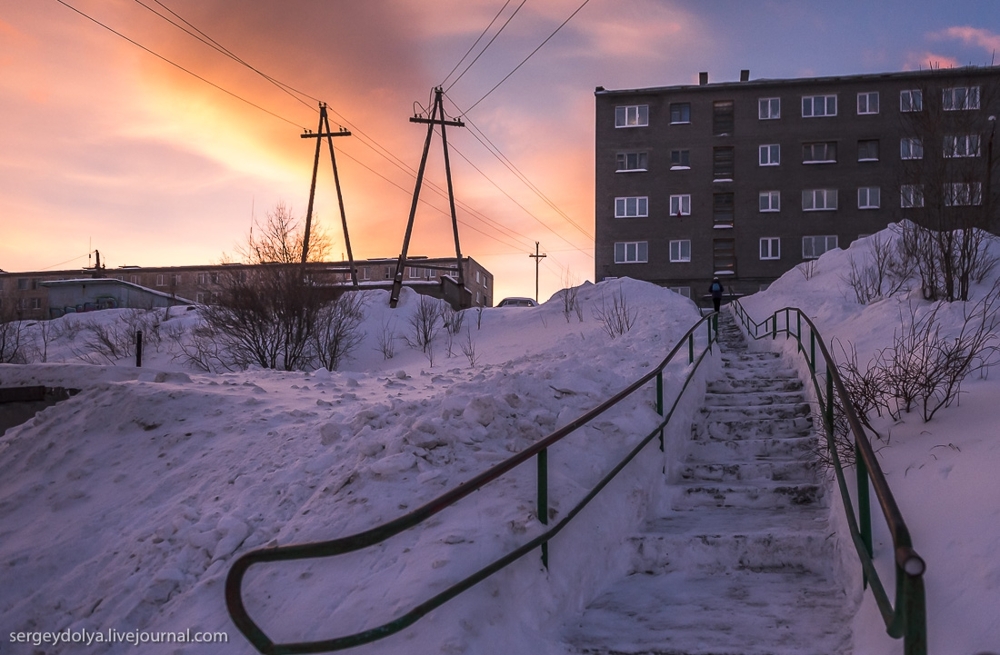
[(123, 507)]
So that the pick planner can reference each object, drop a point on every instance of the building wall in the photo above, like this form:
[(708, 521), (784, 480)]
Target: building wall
[(703, 137)]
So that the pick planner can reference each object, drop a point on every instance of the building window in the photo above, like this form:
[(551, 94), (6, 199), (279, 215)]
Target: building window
[(868, 150), (632, 207), (724, 256), (680, 205), (911, 148), (814, 246), (202, 279), (770, 248), (415, 273), (960, 97), (963, 194), (819, 106), (683, 291), (768, 108), (364, 273), (631, 161), (770, 201), (819, 153), (911, 100), (680, 112), (911, 195), (769, 155), (723, 122), (680, 160), (199, 298), (36, 303), (723, 210), (966, 145), (869, 197), (134, 279), (814, 200), (868, 102), (722, 164), (631, 252), (680, 251), (23, 284), (161, 281), (175, 279), (632, 116)]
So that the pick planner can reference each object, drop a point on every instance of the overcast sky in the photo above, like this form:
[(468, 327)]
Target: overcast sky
[(103, 145)]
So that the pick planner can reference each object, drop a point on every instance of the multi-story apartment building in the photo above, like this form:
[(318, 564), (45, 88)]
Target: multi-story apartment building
[(26, 295), (745, 180)]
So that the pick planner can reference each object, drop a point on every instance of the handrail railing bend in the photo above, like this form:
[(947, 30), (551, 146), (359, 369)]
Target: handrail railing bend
[(264, 644), (906, 618)]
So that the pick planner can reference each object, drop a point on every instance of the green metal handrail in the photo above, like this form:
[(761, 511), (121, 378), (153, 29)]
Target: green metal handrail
[(263, 643), (906, 618)]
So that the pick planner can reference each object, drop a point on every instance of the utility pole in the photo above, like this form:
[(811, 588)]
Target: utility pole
[(538, 258), (324, 131), (436, 118)]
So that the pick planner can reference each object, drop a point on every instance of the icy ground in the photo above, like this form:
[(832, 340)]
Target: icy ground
[(123, 507)]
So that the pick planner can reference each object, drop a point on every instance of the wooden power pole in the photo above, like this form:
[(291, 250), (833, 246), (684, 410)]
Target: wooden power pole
[(324, 131), (538, 258), (436, 118)]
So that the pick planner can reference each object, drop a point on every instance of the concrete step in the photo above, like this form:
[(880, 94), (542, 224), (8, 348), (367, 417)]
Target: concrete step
[(760, 495), (743, 428), (753, 397), (756, 448), (805, 470), (789, 410), (786, 382)]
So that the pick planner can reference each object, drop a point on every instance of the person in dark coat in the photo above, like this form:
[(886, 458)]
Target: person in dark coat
[(716, 289)]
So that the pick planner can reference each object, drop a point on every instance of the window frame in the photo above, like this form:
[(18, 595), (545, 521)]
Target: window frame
[(638, 247), (622, 117), (764, 112), (868, 141), (911, 196), (826, 106), (953, 141), (868, 203), (773, 248), (641, 164), (828, 148), (679, 259), (826, 194), (773, 202), (683, 108), (682, 200), (765, 152), (970, 98), (683, 162), (868, 96), (915, 103), (963, 194), (640, 201), (912, 144), (826, 245)]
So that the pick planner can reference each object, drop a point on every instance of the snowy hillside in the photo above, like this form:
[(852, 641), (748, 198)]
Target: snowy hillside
[(123, 507)]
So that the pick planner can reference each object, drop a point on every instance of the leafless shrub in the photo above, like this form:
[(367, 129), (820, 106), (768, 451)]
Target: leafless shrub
[(424, 324), (809, 269), (568, 296), (947, 261), (479, 318), (205, 349), (12, 339), (338, 329), (618, 317), (452, 321), (385, 340), (469, 349), (108, 342), (884, 271)]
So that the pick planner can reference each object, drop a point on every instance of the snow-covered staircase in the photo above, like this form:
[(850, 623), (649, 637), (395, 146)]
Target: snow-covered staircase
[(740, 557)]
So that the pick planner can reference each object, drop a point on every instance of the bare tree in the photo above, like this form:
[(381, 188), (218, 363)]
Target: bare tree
[(338, 329), (618, 317), (884, 270), (424, 324), (12, 337), (385, 340)]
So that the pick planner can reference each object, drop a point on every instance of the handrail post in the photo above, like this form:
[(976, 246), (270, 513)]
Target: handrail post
[(788, 324), (659, 401), (691, 349), (829, 402), (774, 326), (914, 606), (709, 323), (543, 499), (812, 351), (864, 506)]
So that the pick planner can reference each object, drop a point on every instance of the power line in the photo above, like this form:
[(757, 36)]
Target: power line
[(529, 56), (486, 47), (178, 66), (473, 46)]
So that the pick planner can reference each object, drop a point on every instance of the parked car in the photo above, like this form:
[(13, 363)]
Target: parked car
[(517, 302)]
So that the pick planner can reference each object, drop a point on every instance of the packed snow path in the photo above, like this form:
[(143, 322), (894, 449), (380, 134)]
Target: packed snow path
[(739, 558)]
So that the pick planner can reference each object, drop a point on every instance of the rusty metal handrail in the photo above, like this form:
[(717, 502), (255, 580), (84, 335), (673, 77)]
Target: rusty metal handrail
[(264, 644), (906, 618)]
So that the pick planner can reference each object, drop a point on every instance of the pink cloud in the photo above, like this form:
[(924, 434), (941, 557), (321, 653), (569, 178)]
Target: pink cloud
[(971, 36), (927, 59)]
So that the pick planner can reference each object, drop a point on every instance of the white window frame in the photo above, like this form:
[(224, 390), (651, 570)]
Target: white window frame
[(680, 204), (682, 291), (768, 109), (963, 194), (910, 196), (639, 209), (825, 104), (677, 248), (819, 200), (911, 147), (770, 248), (639, 252), (869, 197), (828, 148), (631, 116), (175, 279), (960, 98), (809, 243), (911, 100), (769, 154), (161, 280), (876, 142), (769, 202), (961, 145), (415, 273), (680, 165), (638, 164), (867, 102)]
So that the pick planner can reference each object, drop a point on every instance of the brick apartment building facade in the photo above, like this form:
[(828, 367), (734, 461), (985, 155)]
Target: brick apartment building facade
[(25, 295), (748, 179)]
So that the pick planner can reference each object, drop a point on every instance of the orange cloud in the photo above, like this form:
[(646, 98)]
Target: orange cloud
[(927, 59), (974, 36)]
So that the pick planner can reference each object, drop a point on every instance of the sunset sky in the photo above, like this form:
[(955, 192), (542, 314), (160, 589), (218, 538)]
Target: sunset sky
[(106, 146)]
